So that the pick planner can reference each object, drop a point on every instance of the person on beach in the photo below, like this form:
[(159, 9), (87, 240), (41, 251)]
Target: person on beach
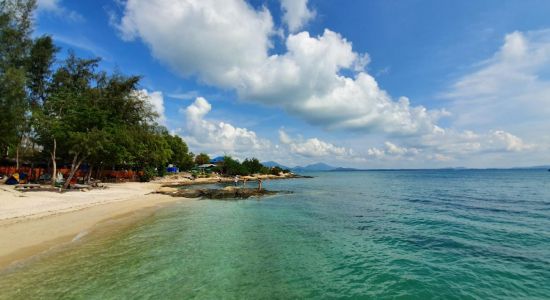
[(236, 180), (244, 182), (259, 184)]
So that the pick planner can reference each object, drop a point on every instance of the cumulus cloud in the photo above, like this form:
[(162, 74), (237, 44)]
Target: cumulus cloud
[(296, 14), (447, 145), (391, 150), (210, 136), (201, 36), (453, 144), (322, 80), (313, 147), (55, 7), (156, 100), (511, 86), (228, 46)]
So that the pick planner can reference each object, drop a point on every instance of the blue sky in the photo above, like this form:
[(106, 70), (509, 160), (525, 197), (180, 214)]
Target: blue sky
[(372, 84)]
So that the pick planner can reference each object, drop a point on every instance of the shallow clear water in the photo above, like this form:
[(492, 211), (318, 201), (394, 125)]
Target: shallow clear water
[(378, 234)]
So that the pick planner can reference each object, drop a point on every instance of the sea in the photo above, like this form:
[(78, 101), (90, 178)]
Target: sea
[(407, 234)]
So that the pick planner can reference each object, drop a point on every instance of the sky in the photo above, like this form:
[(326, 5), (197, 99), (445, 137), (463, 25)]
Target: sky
[(364, 84)]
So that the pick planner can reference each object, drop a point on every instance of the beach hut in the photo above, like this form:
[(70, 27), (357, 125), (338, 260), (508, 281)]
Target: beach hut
[(206, 167)]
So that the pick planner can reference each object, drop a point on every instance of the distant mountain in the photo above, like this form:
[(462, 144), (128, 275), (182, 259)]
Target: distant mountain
[(534, 167), (314, 167), (271, 164), (342, 169)]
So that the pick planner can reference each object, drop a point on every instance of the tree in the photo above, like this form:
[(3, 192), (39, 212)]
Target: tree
[(69, 121), (276, 170), (12, 110), (91, 116), (15, 41), (252, 166), (180, 153), (76, 113), (233, 167), (154, 151), (39, 69), (202, 158)]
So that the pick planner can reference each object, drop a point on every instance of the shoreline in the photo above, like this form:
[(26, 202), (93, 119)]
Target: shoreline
[(177, 180), (32, 222), (27, 230)]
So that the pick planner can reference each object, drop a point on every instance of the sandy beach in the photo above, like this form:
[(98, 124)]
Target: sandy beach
[(32, 222)]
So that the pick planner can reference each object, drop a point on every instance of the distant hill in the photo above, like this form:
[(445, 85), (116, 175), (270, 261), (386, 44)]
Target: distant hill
[(342, 169), (271, 164), (314, 167), (534, 167)]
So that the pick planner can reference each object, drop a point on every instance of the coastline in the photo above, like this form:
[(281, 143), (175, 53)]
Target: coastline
[(32, 222), (42, 220), (179, 180)]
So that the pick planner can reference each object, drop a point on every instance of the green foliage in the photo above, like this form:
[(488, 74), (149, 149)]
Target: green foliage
[(148, 174), (252, 166), (75, 113), (202, 158), (180, 153), (265, 170), (15, 41), (39, 64), (276, 170), (233, 167), (13, 107)]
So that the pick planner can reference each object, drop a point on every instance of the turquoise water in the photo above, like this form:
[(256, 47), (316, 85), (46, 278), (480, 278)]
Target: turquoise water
[(378, 234)]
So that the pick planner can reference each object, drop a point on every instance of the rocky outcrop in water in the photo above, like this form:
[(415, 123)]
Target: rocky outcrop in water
[(225, 193)]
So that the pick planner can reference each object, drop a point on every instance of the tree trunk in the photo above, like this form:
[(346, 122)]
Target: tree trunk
[(17, 149), (89, 175), (74, 167), (17, 158), (98, 171), (31, 173), (54, 163)]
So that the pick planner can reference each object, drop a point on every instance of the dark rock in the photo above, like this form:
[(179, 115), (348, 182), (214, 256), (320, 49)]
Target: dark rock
[(225, 193)]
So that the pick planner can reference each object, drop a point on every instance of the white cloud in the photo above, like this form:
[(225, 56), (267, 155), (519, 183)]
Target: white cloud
[(461, 144), (296, 14), (449, 145), (213, 137), (509, 91), (201, 36), (323, 81), (313, 147), (228, 46), (184, 95), (83, 43), (51, 5), (156, 100), (55, 7), (391, 150), (511, 87)]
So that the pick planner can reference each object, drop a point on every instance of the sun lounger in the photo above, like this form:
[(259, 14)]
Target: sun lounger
[(27, 186)]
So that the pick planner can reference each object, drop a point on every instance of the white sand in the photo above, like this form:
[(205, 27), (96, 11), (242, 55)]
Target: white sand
[(32, 222), (16, 206)]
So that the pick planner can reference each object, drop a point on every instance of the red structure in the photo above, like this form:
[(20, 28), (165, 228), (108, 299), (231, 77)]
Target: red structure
[(106, 175)]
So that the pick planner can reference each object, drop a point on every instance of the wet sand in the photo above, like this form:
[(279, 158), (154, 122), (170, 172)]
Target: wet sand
[(33, 222)]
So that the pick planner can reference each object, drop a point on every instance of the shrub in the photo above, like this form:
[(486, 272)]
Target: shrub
[(148, 174), (276, 170)]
